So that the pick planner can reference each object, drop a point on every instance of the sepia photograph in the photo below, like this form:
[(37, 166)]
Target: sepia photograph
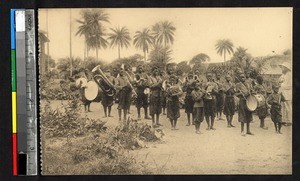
[(142, 91)]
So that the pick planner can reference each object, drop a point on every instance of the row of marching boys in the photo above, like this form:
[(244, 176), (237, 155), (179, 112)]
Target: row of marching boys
[(206, 100)]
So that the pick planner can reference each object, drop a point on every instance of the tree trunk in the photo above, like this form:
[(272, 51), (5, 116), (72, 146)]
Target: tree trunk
[(84, 53), (145, 56), (97, 53), (224, 57), (119, 51), (71, 63)]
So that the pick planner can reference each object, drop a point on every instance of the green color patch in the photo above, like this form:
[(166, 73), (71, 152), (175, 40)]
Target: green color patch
[(13, 71)]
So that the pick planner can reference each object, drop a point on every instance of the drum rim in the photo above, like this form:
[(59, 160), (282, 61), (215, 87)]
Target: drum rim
[(247, 103), (85, 90)]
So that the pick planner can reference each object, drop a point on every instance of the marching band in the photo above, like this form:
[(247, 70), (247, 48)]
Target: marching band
[(201, 99)]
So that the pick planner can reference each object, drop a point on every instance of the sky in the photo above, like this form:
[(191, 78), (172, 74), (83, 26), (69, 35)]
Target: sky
[(260, 30)]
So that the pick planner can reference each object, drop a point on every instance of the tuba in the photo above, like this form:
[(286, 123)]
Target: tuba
[(103, 82)]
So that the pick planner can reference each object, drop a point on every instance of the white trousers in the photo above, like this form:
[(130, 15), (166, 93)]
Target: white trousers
[(287, 111)]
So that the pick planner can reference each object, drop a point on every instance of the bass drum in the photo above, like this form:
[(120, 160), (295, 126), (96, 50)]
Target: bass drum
[(92, 91), (255, 101)]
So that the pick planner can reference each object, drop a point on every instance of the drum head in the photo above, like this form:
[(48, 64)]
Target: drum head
[(251, 103), (83, 82), (91, 90)]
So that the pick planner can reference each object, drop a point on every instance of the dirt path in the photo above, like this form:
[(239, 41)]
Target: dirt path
[(223, 151)]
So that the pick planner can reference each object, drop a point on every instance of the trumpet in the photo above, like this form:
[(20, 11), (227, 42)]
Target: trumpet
[(103, 82)]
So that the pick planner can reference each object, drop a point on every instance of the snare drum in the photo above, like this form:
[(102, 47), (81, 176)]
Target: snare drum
[(255, 101)]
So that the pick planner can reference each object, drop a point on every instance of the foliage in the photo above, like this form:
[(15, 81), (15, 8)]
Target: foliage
[(200, 58), (64, 66), (66, 120), (92, 28), (90, 63), (182, 67), (133, 60), (163, 33), (287, 52), (143, 40), (160, 54), (242, 59), (131, 134), (224, 46), (120, 38)]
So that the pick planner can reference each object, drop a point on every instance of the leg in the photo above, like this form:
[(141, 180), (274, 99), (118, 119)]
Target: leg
[(189, 119), (89, 110), (231, 117), (105, 111), (109, 111), (146, 113), (212, 123), (197, 126), (139, 113), (125, 114), (172, 124), (228, 121), (175, 122), (153, 120), (157, 120), (279, 128), (193, 118), (120, 114), (262, 121), (242, 129), (207, 121), (275, 125), (248, 129)]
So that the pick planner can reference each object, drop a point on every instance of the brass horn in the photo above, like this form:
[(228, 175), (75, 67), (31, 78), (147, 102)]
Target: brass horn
[(103, 82)]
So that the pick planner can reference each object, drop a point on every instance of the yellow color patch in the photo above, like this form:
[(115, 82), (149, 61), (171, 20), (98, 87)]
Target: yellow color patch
[(14, 112)]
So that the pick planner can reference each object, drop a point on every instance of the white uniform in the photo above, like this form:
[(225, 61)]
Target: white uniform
[(285, 81)]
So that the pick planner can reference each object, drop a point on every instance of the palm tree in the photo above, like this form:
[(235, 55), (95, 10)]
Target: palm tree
[(119, 37), (160, 54), (97, 41), (224, 46), (92, 29), (142, 40), (163, 33), (200, 58)]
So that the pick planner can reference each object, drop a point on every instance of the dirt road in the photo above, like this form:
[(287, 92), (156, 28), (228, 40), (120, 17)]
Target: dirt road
[(222, 151)]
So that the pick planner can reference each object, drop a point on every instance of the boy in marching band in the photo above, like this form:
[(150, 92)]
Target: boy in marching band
[(173, 107), (142, 82), (197, 95), (188, 87), (210, 101), (229, 103), (262, 111), (244, 115), (155, 103), (122, 84), (275, 100), (107, 100)]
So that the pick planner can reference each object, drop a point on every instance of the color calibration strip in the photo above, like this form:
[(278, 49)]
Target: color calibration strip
[(24, 113), (14, 93)]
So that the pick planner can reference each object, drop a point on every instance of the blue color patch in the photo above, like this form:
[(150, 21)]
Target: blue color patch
[(12, 29)]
